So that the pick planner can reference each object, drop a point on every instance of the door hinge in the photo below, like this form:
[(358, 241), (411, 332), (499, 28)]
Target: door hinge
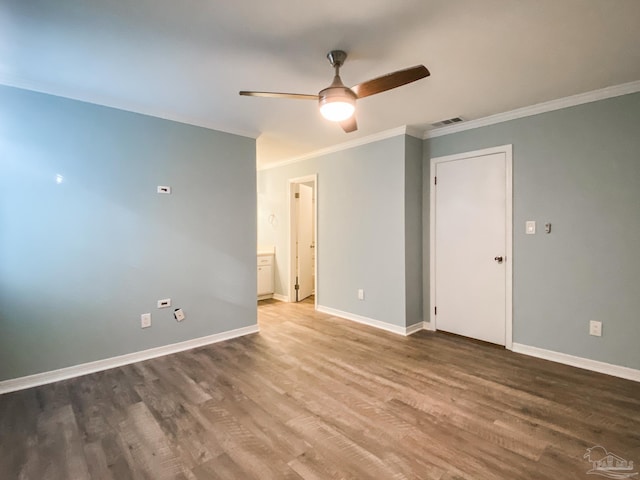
[(297, 195), (297, 287), (435, 310), (435, 180)]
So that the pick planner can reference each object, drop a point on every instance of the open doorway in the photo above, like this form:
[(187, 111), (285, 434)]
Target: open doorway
[(303, 238)]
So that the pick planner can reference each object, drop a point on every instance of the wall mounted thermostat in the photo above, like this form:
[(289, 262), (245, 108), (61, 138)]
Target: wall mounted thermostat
[(164, 189)]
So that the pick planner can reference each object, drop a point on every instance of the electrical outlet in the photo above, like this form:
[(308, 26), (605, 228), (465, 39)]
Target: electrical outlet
[(595, 328), (360, 294), (179, 314), (145, 320), (164, 303)]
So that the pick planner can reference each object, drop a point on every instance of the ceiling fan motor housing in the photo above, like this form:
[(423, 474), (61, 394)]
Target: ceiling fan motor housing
[(337, 58), (337, 102), (334, 92)]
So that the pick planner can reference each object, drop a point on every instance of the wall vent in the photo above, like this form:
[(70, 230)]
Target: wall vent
[(448, 121)]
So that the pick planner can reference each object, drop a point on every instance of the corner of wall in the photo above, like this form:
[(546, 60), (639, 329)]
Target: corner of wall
[(413, 230)]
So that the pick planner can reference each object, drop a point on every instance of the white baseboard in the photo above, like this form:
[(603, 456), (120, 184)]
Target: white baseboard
[(265, 297), (43, 378), (282, 298), (428, 326), (416, 327), (389, 327), (580, 362)]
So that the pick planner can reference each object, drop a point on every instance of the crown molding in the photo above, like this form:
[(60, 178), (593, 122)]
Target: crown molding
[(105, 101), (550, 106), (558, 104), (394, 132), (415, 132)]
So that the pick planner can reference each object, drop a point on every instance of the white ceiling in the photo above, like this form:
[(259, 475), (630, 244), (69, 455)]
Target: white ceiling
[(187, 59)]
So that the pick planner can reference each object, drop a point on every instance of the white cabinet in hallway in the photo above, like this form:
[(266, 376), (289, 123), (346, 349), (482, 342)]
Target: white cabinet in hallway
[(265, 276)]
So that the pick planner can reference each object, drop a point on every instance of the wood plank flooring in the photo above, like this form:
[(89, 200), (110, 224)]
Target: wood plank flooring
[(317, 397)]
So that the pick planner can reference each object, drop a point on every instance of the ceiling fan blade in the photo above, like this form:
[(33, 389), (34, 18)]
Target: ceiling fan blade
[(391, 80), (295, 96), (350, 124)]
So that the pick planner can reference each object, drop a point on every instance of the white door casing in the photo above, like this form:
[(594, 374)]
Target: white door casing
[(471, 225), (293, 184), (305, 242)]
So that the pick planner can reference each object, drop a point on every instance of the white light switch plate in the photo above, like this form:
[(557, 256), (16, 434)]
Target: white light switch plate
[(164, 189), (595, 328), (145, 320), (530, 227)]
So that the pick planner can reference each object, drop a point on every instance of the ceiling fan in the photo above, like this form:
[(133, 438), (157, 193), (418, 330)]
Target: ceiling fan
[(338, 102)]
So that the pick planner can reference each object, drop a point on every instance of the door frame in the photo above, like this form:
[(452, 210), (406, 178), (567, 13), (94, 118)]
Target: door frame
[(293, 225), (508, 151)]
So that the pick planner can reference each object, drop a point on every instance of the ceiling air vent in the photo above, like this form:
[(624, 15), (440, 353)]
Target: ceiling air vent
[(448, 121)]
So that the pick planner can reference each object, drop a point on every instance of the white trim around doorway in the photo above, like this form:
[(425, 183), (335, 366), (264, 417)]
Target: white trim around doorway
[(291, 240), (508, 151)]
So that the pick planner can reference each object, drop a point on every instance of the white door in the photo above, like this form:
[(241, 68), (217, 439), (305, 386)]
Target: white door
[(471, 246), (305, 242)]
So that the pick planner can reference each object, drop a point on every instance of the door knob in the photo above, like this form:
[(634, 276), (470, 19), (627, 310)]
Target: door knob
[(498, 259)]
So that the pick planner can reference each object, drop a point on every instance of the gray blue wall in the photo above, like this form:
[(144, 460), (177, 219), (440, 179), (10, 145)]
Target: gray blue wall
[(81, 260), (578, 168), (361, 227), (413, 229)]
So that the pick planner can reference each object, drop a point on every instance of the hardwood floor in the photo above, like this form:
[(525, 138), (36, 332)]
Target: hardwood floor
[(317, 397)]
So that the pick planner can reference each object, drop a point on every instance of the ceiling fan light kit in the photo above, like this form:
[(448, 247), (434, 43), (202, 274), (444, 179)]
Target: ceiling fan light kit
[(337, 102), (337, 108)]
